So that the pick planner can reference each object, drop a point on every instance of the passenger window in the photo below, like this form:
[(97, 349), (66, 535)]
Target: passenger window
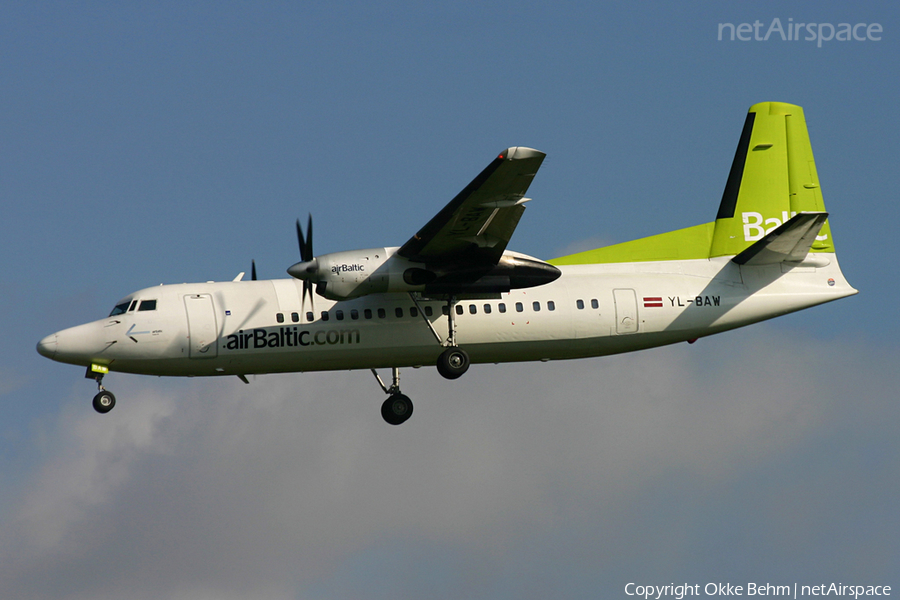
[(399, 312), (325, 316), (367, 313), (428, 311), (473, 309), (339, 315), (295, 317), (502, 307), (310, 317), (594, 303), (279, 317), (487, 309), (579, 304), (381, 313), (147, 305), (551, 305), (459, 309), (519, 307), (413, 312), (354, 314), (536, 306)]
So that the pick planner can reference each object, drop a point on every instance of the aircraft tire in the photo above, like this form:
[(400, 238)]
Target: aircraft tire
[(397, 409), (104, 402), (452, 363)]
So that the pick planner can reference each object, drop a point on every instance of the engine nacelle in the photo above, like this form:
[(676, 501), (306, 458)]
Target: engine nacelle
[(350, 274), (355, 273)]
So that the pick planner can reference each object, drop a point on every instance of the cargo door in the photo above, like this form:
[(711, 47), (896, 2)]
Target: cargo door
[(626, 311), (202, 331)]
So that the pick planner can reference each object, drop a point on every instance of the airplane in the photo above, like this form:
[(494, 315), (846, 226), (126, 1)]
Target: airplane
[(453, 295)]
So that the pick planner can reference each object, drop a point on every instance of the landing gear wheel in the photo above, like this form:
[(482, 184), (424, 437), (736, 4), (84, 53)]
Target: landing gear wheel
[(397, 409), (452, 363), (104, 402)]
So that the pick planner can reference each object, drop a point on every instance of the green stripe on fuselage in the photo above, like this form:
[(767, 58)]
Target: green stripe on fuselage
[(683, 244)]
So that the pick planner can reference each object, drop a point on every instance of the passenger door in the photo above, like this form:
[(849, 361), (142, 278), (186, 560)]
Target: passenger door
[(202, 331)]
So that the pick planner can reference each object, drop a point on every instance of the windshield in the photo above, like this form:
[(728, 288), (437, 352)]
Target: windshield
[(120, 308)]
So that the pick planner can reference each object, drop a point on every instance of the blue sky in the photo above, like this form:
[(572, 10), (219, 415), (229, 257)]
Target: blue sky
[(176, 142)]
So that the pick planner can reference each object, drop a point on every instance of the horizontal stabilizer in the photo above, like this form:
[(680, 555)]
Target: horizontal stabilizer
[(789, 242)]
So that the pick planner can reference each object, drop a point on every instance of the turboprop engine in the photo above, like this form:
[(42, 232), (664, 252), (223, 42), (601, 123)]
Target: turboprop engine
[(355, 273), (344, 275)]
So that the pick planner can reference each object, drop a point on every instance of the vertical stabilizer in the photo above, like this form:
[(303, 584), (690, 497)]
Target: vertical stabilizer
[(773, 178)]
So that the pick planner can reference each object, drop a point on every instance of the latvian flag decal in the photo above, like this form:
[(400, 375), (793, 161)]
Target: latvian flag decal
[(653, 302)]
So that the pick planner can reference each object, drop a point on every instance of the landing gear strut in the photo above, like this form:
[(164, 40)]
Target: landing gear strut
[(454, 361), (398, 407), (104, 401)]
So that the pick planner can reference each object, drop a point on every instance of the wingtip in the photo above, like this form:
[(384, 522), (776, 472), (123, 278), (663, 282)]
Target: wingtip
[(520, 152)]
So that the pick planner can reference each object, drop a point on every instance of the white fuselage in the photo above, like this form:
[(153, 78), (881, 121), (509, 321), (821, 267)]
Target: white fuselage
[(254, 327)]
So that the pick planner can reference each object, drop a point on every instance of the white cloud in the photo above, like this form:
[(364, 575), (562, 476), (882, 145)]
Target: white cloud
[(91, 459), (578, 471)]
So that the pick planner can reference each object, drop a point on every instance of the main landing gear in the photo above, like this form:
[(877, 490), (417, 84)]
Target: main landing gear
[(451, 364), (104, 401), (398, 407), (454, 361)]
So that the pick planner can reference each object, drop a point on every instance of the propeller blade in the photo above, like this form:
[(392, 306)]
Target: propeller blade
[(305, 242), (308, 266), (307, 287), (253, 270), (300, 241), (309, 245)]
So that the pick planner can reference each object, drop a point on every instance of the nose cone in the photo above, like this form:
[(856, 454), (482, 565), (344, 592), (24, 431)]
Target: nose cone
[(47, 346), (80, 345)]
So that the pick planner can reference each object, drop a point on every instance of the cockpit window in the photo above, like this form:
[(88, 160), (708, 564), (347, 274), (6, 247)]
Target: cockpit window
[(133, 305), (120, 308), (147, 305)]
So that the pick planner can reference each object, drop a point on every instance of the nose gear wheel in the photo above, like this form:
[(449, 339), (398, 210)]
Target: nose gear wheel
[(104, 402)]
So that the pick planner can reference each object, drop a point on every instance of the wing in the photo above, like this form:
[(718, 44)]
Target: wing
[(475, 227)]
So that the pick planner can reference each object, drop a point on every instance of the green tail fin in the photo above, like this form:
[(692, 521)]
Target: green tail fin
[(773, 177)]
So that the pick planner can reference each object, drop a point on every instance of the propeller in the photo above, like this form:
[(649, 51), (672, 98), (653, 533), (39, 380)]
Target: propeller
[(308, 267)]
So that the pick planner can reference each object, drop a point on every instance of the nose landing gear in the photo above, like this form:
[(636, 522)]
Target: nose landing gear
[(104, 401)]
